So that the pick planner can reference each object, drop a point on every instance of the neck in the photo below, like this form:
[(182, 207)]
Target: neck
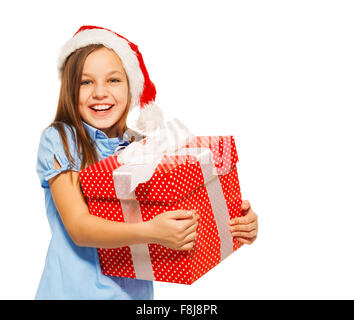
[(111, 132)]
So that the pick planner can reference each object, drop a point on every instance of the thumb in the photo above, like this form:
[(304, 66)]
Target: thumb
[(245, 205)]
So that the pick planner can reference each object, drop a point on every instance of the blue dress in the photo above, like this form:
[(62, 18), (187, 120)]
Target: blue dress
[(70, 271)]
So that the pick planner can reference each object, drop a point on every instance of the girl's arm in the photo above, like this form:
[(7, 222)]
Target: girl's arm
[(174, 229)]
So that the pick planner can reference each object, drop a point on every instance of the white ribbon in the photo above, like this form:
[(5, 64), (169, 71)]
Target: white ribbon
[(140, 252), (221, 213)]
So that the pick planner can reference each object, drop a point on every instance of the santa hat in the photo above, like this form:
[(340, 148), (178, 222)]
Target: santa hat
[(142, 89)]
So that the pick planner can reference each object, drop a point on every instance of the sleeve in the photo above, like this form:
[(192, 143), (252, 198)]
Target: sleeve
[(51, 146)]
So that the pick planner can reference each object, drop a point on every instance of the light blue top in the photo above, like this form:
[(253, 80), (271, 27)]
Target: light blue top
[(70, 271)]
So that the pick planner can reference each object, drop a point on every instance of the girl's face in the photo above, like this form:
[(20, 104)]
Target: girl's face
[(103, 95)]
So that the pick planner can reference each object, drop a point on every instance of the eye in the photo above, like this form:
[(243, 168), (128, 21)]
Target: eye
[(85, 82), (114, 80)]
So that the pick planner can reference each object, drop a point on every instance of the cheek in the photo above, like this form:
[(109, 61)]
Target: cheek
[(82, 97), (121, 95), (82, 103)]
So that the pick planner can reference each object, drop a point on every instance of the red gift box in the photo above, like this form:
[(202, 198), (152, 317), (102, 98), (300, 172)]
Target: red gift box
[(180, 181)]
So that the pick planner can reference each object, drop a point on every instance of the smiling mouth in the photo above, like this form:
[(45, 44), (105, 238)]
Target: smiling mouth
[(101, 108)]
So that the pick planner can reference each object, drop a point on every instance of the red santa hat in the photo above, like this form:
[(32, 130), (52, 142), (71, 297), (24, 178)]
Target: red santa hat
[(142, 89)]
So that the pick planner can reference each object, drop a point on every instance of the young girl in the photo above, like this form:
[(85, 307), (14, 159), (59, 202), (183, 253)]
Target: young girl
[(102, 77)]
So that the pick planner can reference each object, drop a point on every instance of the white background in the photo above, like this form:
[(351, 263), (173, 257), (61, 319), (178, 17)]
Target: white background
[(278, 75)]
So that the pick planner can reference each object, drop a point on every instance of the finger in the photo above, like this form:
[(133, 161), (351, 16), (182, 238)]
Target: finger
[(247, 235), (190, 229), (249, 218), (187, 246), (244, 227), (186, 224), (245, 240), (190, 238)]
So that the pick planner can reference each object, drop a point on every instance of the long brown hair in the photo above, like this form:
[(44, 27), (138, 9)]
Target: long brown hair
[(68, 111)]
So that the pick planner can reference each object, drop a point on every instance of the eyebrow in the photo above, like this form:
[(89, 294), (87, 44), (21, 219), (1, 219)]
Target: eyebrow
[(108, 74)]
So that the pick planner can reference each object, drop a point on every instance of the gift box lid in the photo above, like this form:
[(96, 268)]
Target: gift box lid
[(175, 177)]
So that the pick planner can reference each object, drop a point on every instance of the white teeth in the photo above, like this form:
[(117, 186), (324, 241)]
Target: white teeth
[(101, 107)]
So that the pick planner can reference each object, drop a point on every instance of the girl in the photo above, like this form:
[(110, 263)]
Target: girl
[(102, 77)]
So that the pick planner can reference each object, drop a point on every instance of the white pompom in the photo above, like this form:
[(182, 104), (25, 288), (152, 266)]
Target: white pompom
[(150, 118)]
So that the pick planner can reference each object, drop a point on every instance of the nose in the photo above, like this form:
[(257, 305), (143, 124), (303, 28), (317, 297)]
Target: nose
[(99, 91)]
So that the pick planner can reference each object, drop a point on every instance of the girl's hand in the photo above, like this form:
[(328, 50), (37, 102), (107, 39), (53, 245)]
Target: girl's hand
[(175, 229), (245, 228)]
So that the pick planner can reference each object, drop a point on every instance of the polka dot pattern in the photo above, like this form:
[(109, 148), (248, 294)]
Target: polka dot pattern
[(177, 183)]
